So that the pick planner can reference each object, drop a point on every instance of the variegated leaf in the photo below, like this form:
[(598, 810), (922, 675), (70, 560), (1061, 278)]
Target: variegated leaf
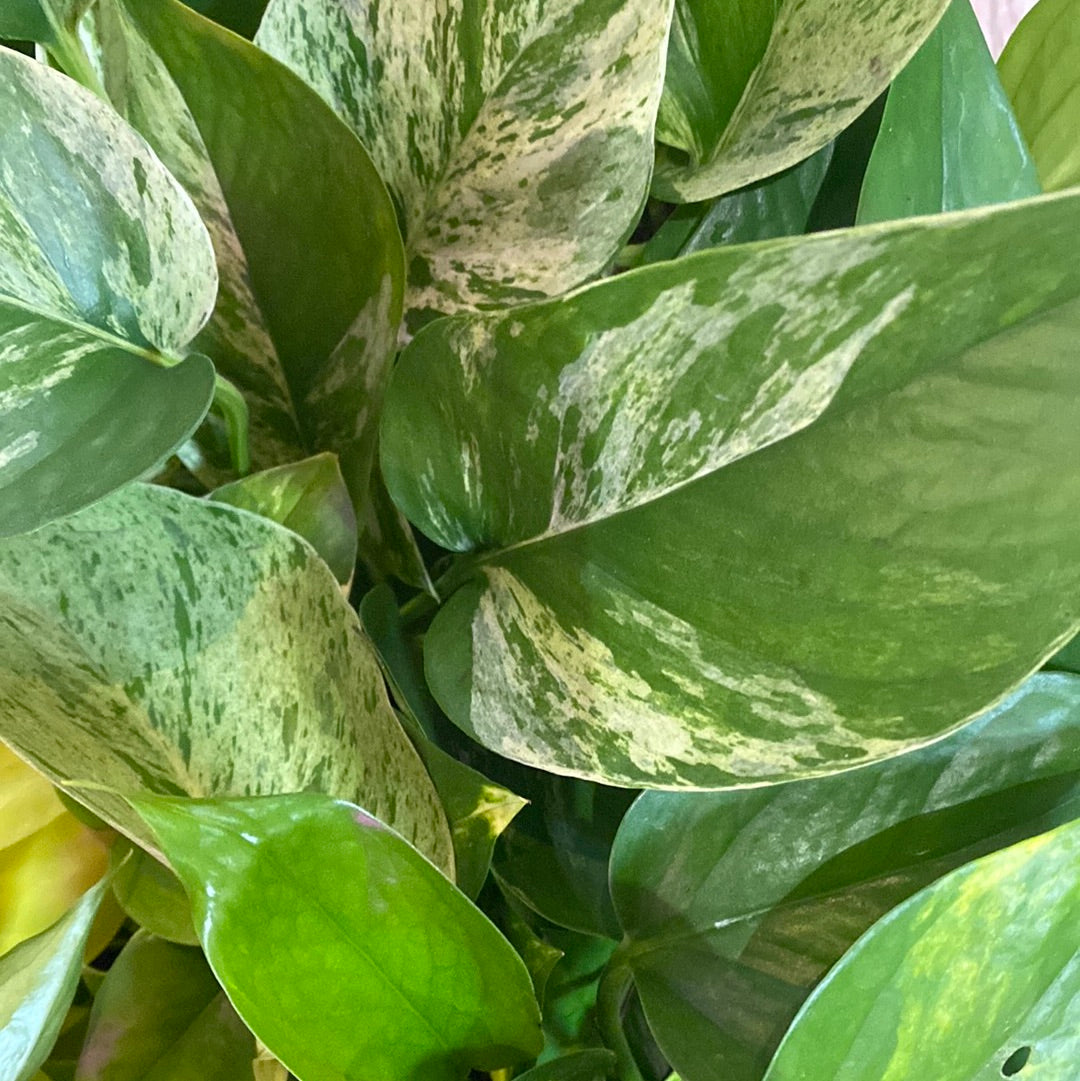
[(756, 87), (516, 136), (159, 643), (712, 887), (973, 979), (106, 274), (307, 245), (644, 608)]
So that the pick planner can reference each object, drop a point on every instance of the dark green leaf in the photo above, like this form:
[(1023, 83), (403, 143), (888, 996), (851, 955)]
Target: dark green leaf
[(1040, 69), (25, 20), (592, 1065), (160, 643), (343, 949), (658, 597), (243, 16), (516, 137), (308, 497), (37, 983), (948, 138), (106, 274), (1068, 657), (735, 904), (974, 978), (755, 86), (779, 206), (161, 1016)]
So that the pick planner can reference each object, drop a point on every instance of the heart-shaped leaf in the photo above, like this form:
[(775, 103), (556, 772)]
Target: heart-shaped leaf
[(1040, 69), (517, 138), (754, 87), (644, 608), (106, 274), (342, 948), (160, 643), (948, 138), (305, 329), (975, 977), (37, 983), (152, 895), (160, 1014), (735, 904)]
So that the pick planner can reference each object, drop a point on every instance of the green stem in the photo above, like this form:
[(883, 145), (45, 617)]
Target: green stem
[(69, 53), (230, 403), (615, 985)]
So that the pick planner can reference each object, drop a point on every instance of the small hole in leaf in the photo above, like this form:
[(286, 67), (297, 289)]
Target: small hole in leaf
[(1015, 1062)]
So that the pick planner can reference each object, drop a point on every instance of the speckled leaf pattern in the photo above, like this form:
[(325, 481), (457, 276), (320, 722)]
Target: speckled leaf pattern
[(106, 274), (161, 1016), (159, 643), (516, 135), (305, 329), (948, 137), (673, 605), (307, 946), (1040, 69), (976, 978), (825, 62), (37, 982), (712, 889)]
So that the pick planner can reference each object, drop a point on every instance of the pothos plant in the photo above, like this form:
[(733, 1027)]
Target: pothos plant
[(538, 541)]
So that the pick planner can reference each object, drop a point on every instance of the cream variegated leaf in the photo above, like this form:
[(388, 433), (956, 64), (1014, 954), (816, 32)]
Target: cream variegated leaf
[(670, 583), (305, 329), (158, 643), (516, 136), (823, 63), (106, 274)]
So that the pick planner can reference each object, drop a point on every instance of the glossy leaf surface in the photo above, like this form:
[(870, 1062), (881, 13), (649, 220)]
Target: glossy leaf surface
[(37, 982), (313, 915), (161, 1016), (308, 497), (778, 206), (304, 328), (959, 982), (735, 904), (758, 85), (948, 138), (1040, 69), (517, 138), (48, 858), (678, 603), (106, 274), (159, 643)]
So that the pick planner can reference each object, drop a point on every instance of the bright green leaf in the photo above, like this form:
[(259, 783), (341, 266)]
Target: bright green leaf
[(645, 609), (972, 979), (343, 949), (308, 497), (161, 1016), (948, 138), (164, 644), (739, 109), (37, 983), (713, 888), (517, 138), (1040, 70), (152, 895), (308, 247), (779, 206), (106, 274)]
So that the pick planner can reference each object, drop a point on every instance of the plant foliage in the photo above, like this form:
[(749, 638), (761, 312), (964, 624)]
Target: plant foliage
[(498, 590)]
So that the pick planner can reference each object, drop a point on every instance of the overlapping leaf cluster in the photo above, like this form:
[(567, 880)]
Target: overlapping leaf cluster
[(539, 539)]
